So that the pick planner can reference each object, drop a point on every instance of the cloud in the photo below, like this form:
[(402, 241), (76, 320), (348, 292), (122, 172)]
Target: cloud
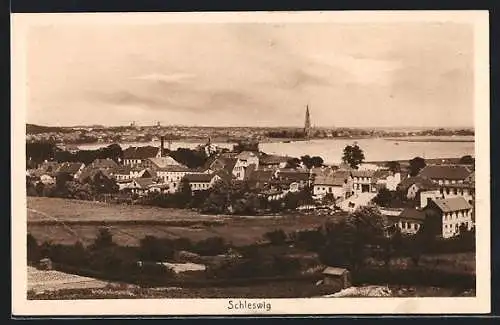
[(167, 78)]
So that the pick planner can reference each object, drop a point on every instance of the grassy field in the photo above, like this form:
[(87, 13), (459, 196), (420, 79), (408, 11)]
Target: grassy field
[(273, 290), (41, 281), (67, 221), (464, 263)]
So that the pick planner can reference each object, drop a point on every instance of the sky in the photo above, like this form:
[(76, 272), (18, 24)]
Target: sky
[(415, 74)]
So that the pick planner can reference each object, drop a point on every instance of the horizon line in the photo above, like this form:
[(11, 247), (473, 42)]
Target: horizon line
[(261, 127)]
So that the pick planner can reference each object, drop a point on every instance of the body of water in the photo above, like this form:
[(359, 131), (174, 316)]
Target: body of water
[(375, 149)]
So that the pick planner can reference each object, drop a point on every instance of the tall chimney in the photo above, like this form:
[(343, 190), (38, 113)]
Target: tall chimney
[(162, 146)]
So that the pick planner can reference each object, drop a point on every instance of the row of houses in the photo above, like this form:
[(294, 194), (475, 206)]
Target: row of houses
[(446, 190)]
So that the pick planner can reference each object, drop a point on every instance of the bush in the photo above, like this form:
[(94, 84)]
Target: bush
[(311, 240), (34, 253), (155, 249), (276, 237), (211, 246)]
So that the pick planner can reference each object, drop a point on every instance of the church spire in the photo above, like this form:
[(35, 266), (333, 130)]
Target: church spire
[(307, 124)]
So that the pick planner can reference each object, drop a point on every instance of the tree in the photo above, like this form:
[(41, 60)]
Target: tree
[(100, 183), (34, 252), (353, 156), (351, 240), (211, 246), (190, 158), (103, 240), (276, 237), (466, 160), (394, 166), (317, 161), (306, 160), (40, 151), (293, 163), (416, 165), (383, 198), (155, 249)]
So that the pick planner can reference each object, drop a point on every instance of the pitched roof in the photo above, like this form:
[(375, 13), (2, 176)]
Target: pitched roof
[(471, 178), (173, 168), (70, 168), (330, 270), (413, 214), (452, 204), (144, 182), (337, 178), (199, 177), (122, 170), (260, 175), (453, 172), (140, 152), (422, 183), (104, 163), (244, 155), (162, 162), (381, 174), (362, 173), (323, 171), (90, 172), (266, 159), (49, 166), (158, 185), (293, 175)]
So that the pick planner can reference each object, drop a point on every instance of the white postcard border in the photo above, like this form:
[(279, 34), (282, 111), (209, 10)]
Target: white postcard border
[(480, 304)]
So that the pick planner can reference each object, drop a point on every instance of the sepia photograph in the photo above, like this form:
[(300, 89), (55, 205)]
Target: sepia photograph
[(211, 163)]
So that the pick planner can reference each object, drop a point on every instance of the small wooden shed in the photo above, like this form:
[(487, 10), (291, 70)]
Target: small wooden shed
[(336, 276)]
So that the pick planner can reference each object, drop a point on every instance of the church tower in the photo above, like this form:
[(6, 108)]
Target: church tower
[(307, 124)]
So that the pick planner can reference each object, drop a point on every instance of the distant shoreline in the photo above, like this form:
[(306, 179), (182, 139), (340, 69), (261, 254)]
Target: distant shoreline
[(465, 139), (428, 140)]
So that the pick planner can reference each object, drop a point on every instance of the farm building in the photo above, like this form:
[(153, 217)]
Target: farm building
[(336, 276)]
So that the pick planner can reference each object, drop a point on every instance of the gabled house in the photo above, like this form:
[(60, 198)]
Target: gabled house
[(160, 162), (104, 164), (133, 156), (339, 184), (387, 179), (411, 186), (407, 220), (173, 175), (127, 173), (100, 179), (244, 159), (284, 177), (259, 178), (363, 181), (222, 163), (466, 190), (201, 181), (70, 169), (446, 174), (448, 215), (272, 161), (140, 186)]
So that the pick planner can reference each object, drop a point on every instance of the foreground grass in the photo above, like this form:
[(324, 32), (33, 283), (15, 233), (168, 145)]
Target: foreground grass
[(64, 221), (281, 290)]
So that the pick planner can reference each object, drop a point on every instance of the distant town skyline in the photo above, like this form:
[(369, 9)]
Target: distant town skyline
[(263, 75)]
